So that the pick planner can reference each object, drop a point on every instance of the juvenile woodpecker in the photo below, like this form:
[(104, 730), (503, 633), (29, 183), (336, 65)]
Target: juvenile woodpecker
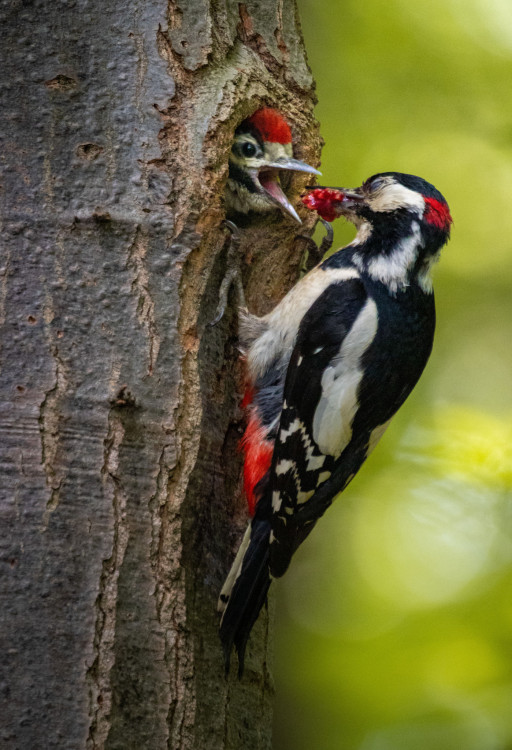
[(327, 369), (261, 151), (260, 157)]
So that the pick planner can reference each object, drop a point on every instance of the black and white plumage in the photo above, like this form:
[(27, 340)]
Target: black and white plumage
[(328, 368)]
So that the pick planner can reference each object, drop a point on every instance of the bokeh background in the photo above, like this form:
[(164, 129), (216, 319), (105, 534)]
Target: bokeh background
[(394, 624)]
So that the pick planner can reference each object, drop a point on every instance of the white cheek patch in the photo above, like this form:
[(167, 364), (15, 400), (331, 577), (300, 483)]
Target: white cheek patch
[(393, 196), (275, 151), (332, 422)]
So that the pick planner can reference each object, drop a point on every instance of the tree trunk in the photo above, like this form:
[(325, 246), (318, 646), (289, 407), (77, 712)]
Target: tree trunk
[(119, 492)]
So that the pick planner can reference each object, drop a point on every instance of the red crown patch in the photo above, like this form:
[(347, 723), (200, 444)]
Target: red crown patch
[(271, 125)]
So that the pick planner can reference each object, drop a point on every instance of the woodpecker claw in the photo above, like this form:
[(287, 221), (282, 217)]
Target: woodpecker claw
[(327, 241), (236, 235), (232, 275), (314, 253)]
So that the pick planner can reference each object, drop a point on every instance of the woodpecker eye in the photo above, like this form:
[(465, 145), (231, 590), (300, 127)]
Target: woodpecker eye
[(376, 184), (249, 149)]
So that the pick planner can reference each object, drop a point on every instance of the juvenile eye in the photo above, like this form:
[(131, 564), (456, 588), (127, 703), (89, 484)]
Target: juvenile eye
[(248, 149)]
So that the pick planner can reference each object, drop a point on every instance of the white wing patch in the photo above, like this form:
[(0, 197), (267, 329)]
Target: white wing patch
[(332, 422)]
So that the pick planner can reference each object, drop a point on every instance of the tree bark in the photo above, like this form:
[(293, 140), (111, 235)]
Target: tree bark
[(119, 492)]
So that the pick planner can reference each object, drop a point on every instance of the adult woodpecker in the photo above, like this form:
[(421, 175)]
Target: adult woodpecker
[(261, 152), (327, 370)]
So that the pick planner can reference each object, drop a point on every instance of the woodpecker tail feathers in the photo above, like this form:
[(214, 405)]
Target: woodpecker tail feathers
[(245, 591)]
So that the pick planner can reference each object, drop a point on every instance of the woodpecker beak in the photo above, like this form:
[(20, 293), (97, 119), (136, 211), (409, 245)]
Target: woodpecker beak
[(268, 178), (293, 165), (333, 202), (351, 194), (345, 198), (352, 199)]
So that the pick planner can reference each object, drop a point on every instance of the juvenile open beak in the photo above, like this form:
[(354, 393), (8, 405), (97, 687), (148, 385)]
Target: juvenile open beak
[(268, 177), (293, 165)]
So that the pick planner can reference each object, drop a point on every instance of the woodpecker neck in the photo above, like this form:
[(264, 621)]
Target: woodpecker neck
[(398, 257)]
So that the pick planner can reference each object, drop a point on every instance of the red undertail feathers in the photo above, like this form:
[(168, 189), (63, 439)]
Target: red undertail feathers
[(257, 457)]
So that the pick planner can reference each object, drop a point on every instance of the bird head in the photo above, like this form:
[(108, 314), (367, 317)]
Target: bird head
[(261, 160), (402, 222), (386, 200)]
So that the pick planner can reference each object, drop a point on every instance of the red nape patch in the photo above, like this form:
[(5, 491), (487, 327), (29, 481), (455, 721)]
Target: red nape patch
[(271, 125), (258, 457), (324, 200), (437, 213)]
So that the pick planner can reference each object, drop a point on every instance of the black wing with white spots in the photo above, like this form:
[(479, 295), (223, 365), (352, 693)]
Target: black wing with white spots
[(299, 465)]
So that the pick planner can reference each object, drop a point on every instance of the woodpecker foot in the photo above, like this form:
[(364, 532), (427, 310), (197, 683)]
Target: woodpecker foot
[(326, 243), (232, 276), (313, 253)]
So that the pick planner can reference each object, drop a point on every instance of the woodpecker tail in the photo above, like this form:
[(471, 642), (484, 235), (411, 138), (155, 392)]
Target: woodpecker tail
[(245, 591)]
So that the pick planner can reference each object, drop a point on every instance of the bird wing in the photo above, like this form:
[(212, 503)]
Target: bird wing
[(320, 401)]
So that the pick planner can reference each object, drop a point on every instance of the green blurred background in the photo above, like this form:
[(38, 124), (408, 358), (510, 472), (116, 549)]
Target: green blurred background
[(394, 624)]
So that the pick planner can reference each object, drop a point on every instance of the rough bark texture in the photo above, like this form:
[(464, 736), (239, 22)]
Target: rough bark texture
[(119, 492)]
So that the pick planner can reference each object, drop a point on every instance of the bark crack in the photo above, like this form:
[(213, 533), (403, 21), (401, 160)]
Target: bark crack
[(157, 500), (98, 674), (4, 277), (172, 592), (49, 431), (140, 290)]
